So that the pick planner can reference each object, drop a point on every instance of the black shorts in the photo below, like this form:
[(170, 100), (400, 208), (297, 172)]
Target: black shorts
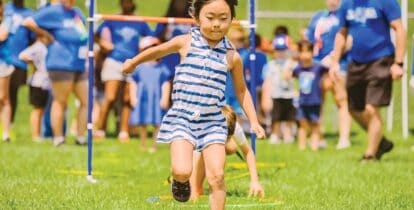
[(38, 97), (369, 83), (283, 110)]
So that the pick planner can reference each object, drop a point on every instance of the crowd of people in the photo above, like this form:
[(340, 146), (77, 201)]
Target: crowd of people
[(178, 79)]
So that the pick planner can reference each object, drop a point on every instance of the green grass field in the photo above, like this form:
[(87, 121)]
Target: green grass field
[(39, 176)]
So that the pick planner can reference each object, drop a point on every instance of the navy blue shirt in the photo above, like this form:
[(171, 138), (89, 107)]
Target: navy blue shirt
[(68, 51), (125, 37), (19, 36), (368, 22), (261, 60), (310, 83)]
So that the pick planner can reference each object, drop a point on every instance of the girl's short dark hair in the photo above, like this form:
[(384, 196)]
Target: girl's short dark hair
[(198, 4), (305, 43), (281, 30)]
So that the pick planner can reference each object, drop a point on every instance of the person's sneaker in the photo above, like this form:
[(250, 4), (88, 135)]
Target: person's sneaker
[(6, 139), (57, 141), (99, 134), (368, 159), (274, 139), (384, 147), (322, 144), (289, 141), (81, 140), (181, 191), (123, 137), (343, 144)]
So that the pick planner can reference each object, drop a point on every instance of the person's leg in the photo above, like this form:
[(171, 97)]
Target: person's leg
[(181, 166), (143, 135), (197, 176), (374, 125), (35, 122), (154, 137), (276, 134), (344, 118), (302, 133), (61, 91), (315, 135), (5, 108), (17, 79), (111, 89), (125, 113), (81, 94), (287, 132), (214, 160)]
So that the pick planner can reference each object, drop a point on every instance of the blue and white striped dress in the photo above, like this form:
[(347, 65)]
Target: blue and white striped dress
[(198, 96)]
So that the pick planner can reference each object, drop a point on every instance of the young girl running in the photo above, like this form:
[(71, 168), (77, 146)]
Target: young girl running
[(195, 120)]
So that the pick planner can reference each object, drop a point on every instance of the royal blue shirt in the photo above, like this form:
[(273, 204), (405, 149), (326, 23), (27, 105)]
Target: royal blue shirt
[(125, 38), (309, 83), (6, 24), (368, 22), (261, 60), (19, 37), (68, 51)]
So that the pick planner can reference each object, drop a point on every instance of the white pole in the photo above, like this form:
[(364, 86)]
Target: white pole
[(390, 115), (404, 83)]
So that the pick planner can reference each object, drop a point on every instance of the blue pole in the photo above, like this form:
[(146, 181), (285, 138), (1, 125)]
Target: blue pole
[(252, 58), (90, 83)]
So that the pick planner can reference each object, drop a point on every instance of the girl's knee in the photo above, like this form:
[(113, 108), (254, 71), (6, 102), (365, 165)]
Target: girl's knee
[(181, 173), (216, 180)]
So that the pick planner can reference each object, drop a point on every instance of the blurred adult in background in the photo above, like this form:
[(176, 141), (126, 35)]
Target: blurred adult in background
[(166, 31), (375, 63), (6, 69), (321, 32), (121, 43), (63, 25), (20, 38)]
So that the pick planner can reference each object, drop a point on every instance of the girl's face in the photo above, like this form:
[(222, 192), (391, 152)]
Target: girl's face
[(333, 5), (214, 20)]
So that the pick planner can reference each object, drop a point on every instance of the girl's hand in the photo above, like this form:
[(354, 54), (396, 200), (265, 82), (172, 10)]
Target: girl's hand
[(256, 190), (396, 71), (258, 130), (128, 66)]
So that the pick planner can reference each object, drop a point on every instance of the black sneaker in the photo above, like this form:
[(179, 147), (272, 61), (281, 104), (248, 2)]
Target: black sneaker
[(6, 140), (368, 158), (181, 191), (384, 147)]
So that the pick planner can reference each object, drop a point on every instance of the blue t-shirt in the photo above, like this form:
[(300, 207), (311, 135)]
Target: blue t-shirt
[(321, 32), (261, 60), (19, 37), (125, 37), (369, 24), (6, 24), (68, 51), (309, 83)]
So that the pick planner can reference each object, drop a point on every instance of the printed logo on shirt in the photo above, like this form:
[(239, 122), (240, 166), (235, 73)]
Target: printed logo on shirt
[(17, 21), (305, 82), (127, 33), (361, 14)]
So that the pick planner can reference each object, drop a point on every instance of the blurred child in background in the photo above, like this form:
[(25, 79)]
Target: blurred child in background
[(39, 83), (278, 92), (309, 74), (150, 92)]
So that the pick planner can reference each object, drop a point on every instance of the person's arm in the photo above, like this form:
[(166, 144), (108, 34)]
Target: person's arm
[(165, 95), (174, 45), (133, 88), (31, 25), (255, 188), (266, 96), (243, 95), (26, 55), (401, 36)]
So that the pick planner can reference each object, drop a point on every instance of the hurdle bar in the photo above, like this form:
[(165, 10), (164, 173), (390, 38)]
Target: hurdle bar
[(176, 20)]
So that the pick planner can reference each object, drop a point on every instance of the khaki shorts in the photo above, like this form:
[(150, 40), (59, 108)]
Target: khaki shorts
[(112, 70), (6, 69), (63, 76)]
